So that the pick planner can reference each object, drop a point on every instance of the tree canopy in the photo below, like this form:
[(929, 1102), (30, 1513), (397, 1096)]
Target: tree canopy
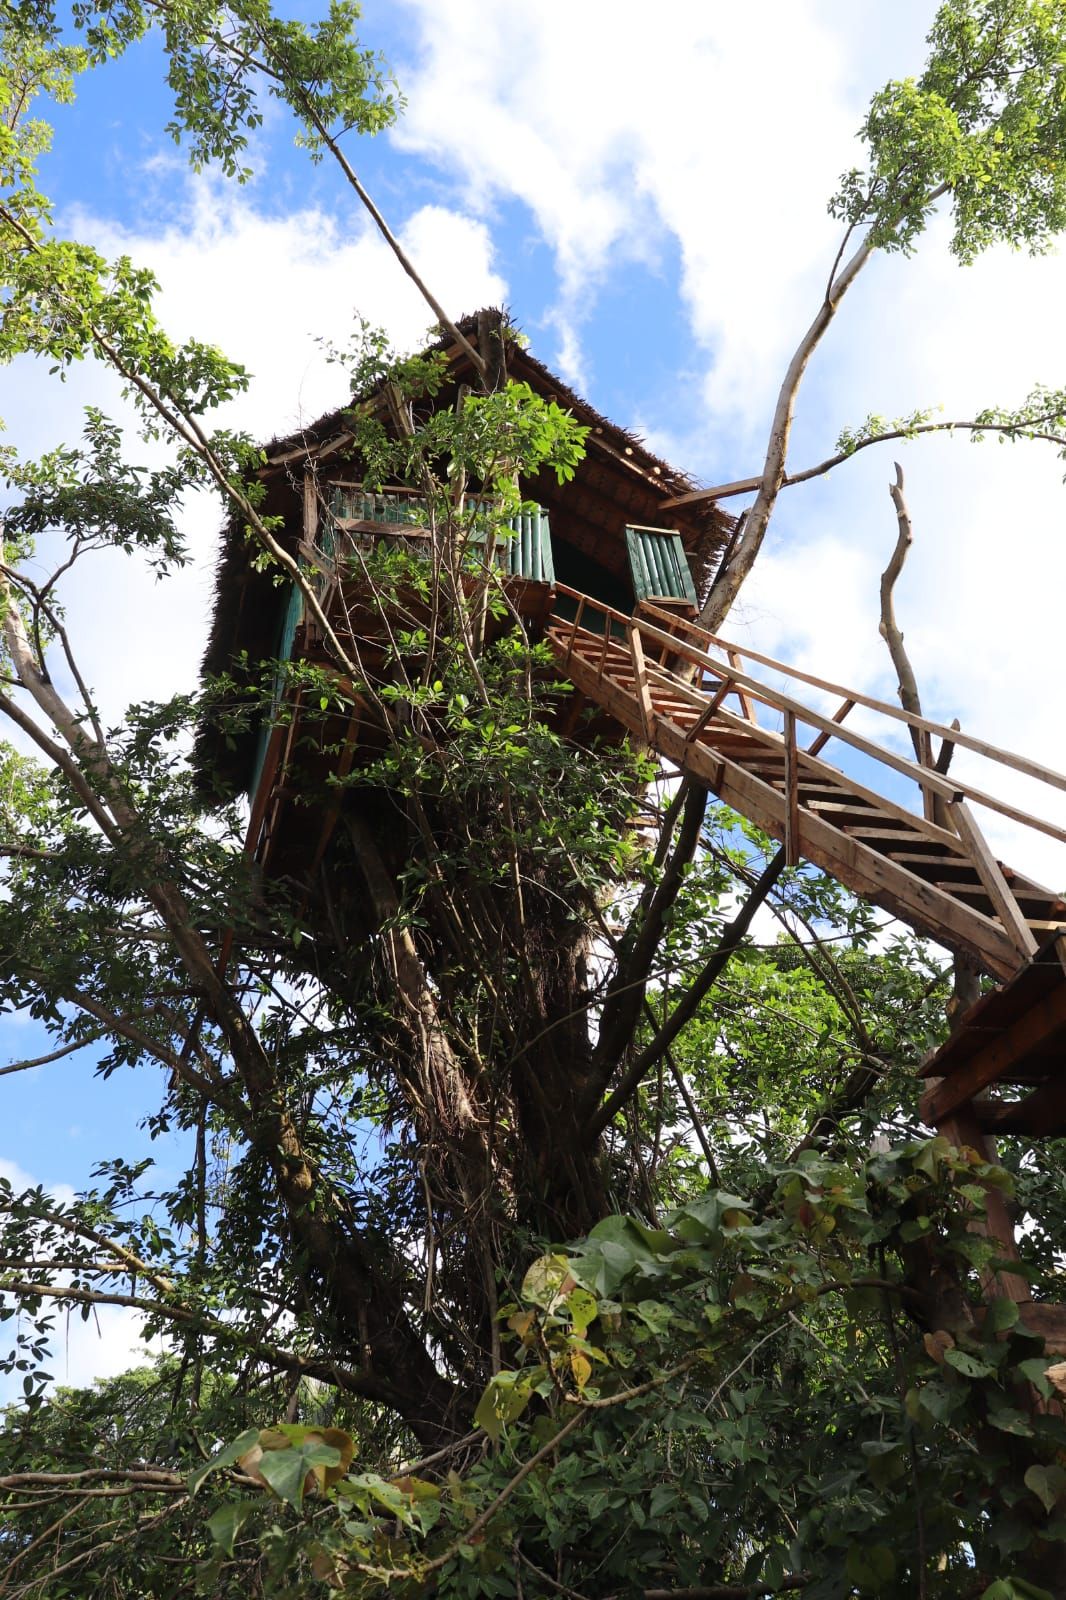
[(545, 1229)]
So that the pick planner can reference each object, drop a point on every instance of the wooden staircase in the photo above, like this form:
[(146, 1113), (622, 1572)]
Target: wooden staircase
[(700, 702)]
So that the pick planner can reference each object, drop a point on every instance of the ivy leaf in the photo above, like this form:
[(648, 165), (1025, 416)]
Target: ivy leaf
[(226, 1523), (224, 1457), (1000, 1315), (290, 1472), (970, 1366), (543, 1283), (870, 1567), (1008, 1420), (504, 1400), (1047, 1483)]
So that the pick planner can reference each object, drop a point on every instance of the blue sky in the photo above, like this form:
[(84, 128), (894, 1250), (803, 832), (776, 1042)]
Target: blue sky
[(648, 197)]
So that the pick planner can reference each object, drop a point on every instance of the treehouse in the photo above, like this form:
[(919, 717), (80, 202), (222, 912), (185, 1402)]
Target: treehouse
[(607, 534), (607, 570)]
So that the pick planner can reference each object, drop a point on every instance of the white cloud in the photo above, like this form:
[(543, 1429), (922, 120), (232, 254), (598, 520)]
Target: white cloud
[(20, 1180), (264, 288), (719, 134)]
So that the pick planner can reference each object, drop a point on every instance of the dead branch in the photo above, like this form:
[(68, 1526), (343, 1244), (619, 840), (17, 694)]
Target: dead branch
[(907, 683)]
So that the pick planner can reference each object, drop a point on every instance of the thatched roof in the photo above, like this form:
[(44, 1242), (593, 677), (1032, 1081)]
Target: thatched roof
[(619, 481)]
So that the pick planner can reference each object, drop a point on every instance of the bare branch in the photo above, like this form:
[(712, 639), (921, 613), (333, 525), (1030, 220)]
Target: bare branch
[(55, 1055), (1036, 429), (907, 683)]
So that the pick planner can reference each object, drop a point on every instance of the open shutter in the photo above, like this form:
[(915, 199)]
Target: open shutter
[(286, 638), (526, 551), (659, 565), (529, 553)]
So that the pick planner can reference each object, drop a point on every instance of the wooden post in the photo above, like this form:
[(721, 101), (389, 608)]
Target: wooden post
[(792, 819), (823, 738), (995, 884), (746, 702), (709, 709), (574, 626), (640, 678), (310, 506), (604, 648)]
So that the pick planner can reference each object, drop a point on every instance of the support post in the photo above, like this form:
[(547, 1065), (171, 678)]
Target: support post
[(746, 702), (820, 742), (640, 678), (792, 818), (994, 883)]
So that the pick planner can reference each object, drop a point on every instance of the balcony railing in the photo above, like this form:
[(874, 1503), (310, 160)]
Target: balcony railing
[(364, 515)]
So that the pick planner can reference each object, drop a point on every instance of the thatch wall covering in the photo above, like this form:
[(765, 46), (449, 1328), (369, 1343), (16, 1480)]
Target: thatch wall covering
[(619, 481)]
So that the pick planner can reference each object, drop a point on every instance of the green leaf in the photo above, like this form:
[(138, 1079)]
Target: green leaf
[(870, 1566), (287, 1471), (226, 1523), (1014, 1589), (1047, 1483), (224, 1457), (583, 1308), (1034, 1370), (1008, 1420), (365, 1487), (1000, 1315), (970, 1366), (544, 1280), (504, 1400)]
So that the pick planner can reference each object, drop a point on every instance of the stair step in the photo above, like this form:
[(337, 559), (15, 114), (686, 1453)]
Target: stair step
[(862, 820), (958, 867), (1023, 897), (921, 847)]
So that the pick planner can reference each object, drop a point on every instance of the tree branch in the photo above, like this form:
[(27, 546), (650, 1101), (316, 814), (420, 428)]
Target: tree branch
[(625, 993), (728, 491), (689, 1004)]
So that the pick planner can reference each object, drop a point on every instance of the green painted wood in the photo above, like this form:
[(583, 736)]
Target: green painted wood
[(658, 565), (529, 553), (283, 652)]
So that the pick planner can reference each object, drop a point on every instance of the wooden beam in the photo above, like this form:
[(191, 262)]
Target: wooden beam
[(721, 491), (1039, 1115), (823, 738), (640, 678), (991, 876), (967, 741), (1033, 1030), (792, 818)]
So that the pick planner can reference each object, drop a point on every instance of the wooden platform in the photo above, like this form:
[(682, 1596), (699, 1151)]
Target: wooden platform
[(1014, 1037)]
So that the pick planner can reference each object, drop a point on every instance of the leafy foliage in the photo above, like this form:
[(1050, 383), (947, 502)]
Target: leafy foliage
[(427, 1330)]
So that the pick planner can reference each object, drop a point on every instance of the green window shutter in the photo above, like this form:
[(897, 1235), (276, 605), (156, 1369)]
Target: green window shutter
[(290, 622), (529, 552), (286, 638), (659, 565)]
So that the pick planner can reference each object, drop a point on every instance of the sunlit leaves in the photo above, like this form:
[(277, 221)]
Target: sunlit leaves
[(986, 121)]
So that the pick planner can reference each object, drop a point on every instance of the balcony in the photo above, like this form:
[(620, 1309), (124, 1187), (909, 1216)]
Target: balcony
[(364, 519)]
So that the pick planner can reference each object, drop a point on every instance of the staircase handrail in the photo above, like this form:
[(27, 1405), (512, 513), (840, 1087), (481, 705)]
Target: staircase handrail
[(927, 779), (967, 741)]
